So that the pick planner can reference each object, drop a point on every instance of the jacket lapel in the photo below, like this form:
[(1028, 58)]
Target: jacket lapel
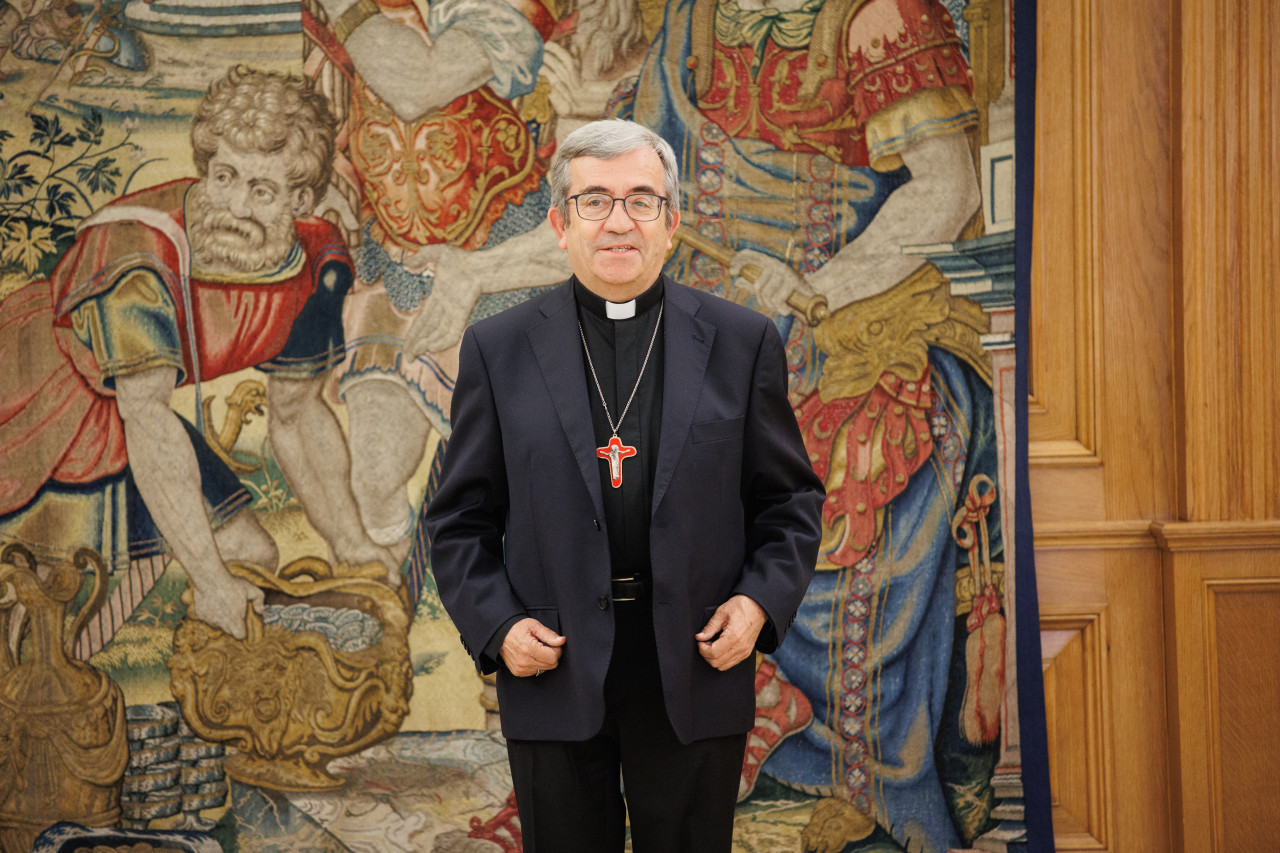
[(687, 342), (556, 346)]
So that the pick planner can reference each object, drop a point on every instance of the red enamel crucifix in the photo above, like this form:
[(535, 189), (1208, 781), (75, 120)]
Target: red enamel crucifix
[(615, 451)]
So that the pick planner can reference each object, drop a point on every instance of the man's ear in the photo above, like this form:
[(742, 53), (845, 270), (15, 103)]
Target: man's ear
[(303, 200), (557, 225)]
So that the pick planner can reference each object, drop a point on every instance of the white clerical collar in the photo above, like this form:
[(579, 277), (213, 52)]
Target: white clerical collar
[(595, 304), (620, 310)]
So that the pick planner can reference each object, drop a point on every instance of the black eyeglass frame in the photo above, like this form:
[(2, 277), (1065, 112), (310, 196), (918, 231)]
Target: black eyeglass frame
[(614, 200)]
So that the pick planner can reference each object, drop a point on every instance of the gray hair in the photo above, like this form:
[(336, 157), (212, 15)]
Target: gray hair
[(604, 140)]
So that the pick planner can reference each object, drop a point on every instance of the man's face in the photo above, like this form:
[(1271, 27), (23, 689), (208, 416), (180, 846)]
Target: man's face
[(616, 258), (250, 185), (240, 217)]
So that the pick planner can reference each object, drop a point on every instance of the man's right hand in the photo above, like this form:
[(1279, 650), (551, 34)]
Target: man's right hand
[(224, 604), (531, 648)]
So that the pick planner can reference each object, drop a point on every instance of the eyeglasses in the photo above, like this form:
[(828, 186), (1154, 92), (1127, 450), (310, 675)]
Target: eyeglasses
[(642, 207)]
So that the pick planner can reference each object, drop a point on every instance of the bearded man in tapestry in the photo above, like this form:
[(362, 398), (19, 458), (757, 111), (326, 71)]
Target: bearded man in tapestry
[(169, 286)]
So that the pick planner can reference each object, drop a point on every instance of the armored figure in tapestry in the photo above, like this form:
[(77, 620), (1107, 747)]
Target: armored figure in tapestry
[(816, 140), (437, 164)]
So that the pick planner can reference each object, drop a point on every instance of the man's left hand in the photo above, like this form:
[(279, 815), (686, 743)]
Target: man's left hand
[(446, 312), (729, 637), (773, 284)]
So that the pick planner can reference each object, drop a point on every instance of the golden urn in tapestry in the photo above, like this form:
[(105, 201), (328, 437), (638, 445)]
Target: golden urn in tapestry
[(63, 736), (323, 672)]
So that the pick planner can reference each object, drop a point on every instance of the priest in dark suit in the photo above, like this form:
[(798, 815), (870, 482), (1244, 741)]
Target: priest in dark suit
[(627, 514)]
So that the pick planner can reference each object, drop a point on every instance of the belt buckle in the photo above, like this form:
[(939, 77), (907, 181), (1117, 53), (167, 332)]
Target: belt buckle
[(615, 582)]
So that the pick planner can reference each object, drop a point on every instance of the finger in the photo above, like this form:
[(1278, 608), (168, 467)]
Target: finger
[(773, 289), (713, 655), (441, 337), (555, 52), (418, 262), (415, 343), (740, 260), (724, 663), (546, 636), (725, 652), (545, 658), (558, 67), (715, 625), (520, 664)]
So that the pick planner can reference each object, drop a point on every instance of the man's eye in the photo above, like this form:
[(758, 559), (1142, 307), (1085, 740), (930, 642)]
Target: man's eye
[(641, 202), (593, 202)]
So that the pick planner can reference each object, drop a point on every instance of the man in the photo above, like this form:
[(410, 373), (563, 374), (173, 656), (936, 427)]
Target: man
[(849, 143), (626, 514), (170, 286)]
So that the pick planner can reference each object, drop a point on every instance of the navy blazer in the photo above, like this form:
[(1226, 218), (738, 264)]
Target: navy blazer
[(517, 525)]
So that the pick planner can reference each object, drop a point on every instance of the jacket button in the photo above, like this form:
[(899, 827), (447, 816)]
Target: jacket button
[(602, 603)]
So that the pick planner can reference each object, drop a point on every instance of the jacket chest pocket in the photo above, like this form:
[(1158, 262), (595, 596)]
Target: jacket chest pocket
[(720, 430)]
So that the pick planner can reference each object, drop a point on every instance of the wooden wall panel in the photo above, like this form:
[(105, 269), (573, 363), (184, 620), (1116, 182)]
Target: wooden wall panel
[(1155, 347), (1244, 673), (1101, 426), (1062, 380), (1228, 245), (1112, 571), (1134, 255), (1223, 677)]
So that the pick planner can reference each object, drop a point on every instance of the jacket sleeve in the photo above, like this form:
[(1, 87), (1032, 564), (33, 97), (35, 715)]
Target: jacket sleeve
[(466, 521), (781, 497)]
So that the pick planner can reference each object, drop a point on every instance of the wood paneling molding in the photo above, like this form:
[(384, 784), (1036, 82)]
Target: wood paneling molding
[(1227, 241), (1213, 536), (1076, 710), (1093, 536), (1062, 357)]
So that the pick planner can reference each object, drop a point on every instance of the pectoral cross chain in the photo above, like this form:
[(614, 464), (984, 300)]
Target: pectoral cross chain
[(615, 451)]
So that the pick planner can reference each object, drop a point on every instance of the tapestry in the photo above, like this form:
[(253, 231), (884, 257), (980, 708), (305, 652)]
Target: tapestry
[(239, 245)]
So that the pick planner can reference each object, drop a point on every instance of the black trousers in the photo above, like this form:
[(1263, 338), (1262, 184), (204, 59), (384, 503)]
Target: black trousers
[(680, 797)]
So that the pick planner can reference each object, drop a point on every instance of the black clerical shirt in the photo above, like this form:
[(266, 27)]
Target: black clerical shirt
[(618, 349)]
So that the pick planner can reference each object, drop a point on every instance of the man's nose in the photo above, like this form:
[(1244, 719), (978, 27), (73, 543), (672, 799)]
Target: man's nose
[(238, 201), (618, 218)]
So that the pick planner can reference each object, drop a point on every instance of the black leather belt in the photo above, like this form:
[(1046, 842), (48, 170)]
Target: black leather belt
[(630, 589)]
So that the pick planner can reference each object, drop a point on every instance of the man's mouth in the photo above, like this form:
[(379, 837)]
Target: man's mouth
[(225, 223), (618, 250)]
